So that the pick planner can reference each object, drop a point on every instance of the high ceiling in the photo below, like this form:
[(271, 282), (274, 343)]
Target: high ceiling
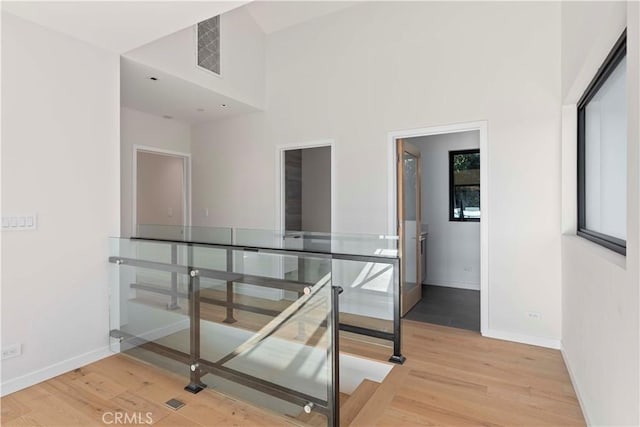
[(172, 96), (122, 26), (118, 26), (274, 16)]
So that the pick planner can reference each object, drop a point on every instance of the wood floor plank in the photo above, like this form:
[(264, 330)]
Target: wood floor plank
[(22, 421), (54, 411), (392, 418), (99, 385), (12, 409), (481, 404), (177, 420), (426, 414), (79, 399), (313, 419), (132, 403)]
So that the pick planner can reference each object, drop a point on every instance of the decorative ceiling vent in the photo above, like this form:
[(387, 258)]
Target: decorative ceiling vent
[(209, 44)]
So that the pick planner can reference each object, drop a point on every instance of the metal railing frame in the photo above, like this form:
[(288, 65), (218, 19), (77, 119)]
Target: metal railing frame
[(199, 367)]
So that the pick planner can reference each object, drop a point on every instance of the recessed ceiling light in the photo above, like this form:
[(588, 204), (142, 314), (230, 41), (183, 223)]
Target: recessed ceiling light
[(223, 105), (153, 78), (166, 116), (200, 110)]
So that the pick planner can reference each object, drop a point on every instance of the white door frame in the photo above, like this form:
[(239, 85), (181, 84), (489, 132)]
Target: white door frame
[(186, 202), (480, 126), (280, 175)]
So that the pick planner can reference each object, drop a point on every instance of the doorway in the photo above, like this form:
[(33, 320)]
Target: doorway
[(307, 194), (306, 204), (440, 215), (306, 187), (160, 188)]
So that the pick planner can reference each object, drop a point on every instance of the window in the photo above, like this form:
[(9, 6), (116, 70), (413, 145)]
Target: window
[(602, 154), (464, 185)]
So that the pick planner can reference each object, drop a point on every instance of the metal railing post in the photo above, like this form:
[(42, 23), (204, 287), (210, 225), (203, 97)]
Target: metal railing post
[(333, 398), (397, 356), (173, 303), (229, 317), (195, 384)]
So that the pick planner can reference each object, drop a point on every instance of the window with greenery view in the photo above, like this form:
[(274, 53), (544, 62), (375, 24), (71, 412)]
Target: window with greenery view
[(602, 154), (464, 185)]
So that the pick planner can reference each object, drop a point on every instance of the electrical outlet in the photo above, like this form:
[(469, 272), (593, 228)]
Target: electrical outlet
[(10, 351), (534, 316)]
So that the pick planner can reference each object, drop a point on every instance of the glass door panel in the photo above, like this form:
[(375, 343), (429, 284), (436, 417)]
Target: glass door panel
[(409, 223)]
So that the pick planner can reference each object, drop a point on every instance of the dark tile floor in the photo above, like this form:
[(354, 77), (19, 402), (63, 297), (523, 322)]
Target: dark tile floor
[(458, 308)]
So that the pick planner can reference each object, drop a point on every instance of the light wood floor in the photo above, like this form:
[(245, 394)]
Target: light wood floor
[(454, 377), (451, 378)]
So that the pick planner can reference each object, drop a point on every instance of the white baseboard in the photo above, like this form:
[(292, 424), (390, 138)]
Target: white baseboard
[(585, 414), (453, 284), (521, 338), (24, 381)]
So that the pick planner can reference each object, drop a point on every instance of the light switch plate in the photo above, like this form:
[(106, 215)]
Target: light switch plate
[(22, 222)]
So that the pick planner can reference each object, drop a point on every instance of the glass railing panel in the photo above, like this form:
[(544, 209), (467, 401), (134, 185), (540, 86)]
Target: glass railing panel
[(378, 245), (261, 292), (297, 348), (257, 238), (257, 263), (362, 265), (210, 257), (213, 235), (262, 298), (369, 288), (145, 249), (162, 232), (265, 400), (148, 307), (291, 352)]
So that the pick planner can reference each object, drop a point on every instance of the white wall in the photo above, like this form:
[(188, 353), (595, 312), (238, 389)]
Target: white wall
[(452, 246), (316, 189), (357, 74), (600, 288), (60, 124), (139, 128), (242, 58)]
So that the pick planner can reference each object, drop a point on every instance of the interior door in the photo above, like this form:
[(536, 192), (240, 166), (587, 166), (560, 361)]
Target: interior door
[(409, 223), (160, 191)]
